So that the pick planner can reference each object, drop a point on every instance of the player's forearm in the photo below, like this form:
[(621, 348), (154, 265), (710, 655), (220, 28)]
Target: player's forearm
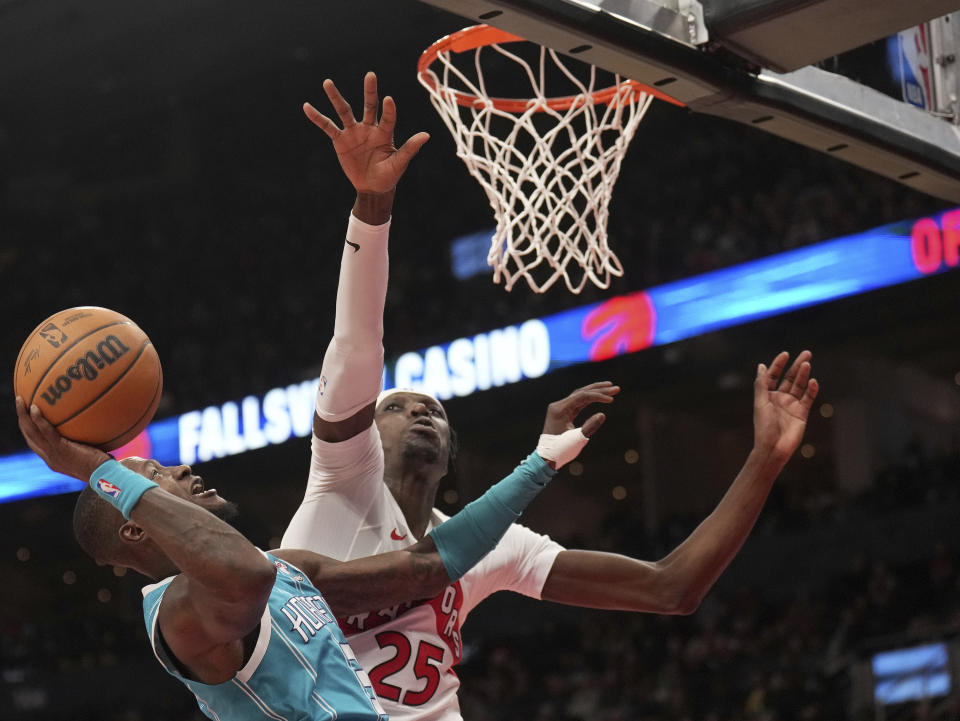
[(369, 584), (206, 549), (472, 533), (425, 568), (201, 546), (353, 362), (694, 566)]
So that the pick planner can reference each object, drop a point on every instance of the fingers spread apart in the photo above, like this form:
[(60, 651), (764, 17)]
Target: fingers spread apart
[(321, 121), (341, 106)]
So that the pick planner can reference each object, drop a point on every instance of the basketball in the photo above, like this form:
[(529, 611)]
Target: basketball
[(94, 374)]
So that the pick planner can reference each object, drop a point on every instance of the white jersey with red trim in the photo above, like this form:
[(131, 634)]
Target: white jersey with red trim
[(409, 650)]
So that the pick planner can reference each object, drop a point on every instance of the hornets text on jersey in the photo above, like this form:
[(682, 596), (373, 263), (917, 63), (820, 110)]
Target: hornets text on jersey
[(301, 667)]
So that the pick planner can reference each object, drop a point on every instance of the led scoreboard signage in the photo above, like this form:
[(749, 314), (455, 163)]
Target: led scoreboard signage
[(803, 277)]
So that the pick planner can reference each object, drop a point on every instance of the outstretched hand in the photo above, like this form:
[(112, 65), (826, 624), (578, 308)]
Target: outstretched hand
[(365, 149), (60, 454), (561, 414), (781, 404)]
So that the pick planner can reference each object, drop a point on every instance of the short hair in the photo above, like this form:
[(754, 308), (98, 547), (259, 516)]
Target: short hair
[(96, 525)]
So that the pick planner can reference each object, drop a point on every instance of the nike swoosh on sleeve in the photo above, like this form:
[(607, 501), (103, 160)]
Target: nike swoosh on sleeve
[(355, 246)]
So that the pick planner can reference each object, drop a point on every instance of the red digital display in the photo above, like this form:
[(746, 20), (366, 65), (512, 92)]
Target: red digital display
[(933, 245)]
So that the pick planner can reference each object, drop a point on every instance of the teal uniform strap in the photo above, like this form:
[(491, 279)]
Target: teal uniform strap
[(119, 486), (474, 531)]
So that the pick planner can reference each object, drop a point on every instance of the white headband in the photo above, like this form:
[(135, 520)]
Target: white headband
[(390, 391)]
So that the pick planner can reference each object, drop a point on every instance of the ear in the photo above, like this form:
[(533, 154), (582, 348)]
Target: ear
[(130, 532)]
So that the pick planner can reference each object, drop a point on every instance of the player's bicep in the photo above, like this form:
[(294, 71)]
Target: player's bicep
[(203, 632)]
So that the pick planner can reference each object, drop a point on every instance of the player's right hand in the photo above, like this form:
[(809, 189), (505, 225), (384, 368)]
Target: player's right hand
[(562, 414), (60, 454), (365, 149)]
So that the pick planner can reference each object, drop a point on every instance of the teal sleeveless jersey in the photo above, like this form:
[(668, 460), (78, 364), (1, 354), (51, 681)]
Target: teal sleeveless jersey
[(301, 669)]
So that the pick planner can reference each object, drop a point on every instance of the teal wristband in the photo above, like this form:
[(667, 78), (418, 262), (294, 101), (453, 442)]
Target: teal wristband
[(471, 534), (119, 486)]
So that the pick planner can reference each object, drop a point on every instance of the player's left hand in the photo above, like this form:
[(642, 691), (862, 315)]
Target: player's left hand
[(781, 404), (59, 453), (365, 149), (561, 414)]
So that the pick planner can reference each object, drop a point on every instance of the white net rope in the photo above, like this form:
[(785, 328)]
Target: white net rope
[(547, 173)]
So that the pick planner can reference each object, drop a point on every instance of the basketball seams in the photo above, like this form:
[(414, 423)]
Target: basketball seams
[(143, 347), (151, 409), (56, 360)]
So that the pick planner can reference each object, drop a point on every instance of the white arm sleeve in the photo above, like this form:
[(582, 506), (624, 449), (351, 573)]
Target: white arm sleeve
[(353, 365), (345, 494), (520, 563)]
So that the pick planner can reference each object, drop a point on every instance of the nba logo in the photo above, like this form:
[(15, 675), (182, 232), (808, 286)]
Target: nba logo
[(107, 488), (323, 384), (53, 335), (282, 567)]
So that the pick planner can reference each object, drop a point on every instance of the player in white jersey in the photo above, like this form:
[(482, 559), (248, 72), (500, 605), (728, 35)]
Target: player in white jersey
[(376, 466)]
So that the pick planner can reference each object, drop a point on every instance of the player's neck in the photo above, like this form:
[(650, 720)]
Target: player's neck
[(155, 567), (414, 487)]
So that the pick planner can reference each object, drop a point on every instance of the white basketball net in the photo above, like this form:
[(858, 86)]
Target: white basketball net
[(547, 173)]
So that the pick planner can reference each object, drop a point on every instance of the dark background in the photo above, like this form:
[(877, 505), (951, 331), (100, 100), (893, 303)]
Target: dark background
[(155, 160)]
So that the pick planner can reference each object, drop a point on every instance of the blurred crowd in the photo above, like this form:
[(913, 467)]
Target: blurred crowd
[(750, 653), (740, 657)]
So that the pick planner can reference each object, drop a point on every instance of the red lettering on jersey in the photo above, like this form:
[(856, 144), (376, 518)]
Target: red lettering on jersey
[(352, 625), (446, 606)]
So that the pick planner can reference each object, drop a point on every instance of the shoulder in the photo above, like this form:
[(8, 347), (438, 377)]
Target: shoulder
[(153, 595), (310, 564), (361, 454)]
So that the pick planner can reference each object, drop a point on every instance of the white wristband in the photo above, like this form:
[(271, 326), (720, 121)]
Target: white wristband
[(563, 448)]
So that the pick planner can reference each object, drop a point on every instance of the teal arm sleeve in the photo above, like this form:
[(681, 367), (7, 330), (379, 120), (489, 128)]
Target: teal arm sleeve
[(119, 486), (472, 534)]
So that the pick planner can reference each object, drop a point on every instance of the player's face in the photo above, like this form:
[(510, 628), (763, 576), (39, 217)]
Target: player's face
[(181, 481), (416, 425)]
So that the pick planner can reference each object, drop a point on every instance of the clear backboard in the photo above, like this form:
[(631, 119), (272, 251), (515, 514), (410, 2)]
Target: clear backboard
[(780, 66)]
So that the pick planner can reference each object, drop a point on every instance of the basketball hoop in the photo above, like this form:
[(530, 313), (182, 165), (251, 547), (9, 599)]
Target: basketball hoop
[(547, 164)]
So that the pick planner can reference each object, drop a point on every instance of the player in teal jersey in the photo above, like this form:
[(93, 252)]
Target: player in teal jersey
[(249, 632)]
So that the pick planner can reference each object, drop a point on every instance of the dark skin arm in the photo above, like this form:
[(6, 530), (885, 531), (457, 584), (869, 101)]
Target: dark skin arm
[(373, 582), (224, 581), (373, 166), (678, 583)]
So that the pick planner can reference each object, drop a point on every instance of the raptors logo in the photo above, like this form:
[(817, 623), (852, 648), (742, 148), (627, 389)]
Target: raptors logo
[(620, 325)]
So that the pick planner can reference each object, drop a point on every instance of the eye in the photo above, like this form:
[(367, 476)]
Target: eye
[(391, 407), (156, 472), (436, 412)]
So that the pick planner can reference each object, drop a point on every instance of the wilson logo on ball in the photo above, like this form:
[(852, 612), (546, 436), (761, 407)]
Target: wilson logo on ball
[(87, 367)]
